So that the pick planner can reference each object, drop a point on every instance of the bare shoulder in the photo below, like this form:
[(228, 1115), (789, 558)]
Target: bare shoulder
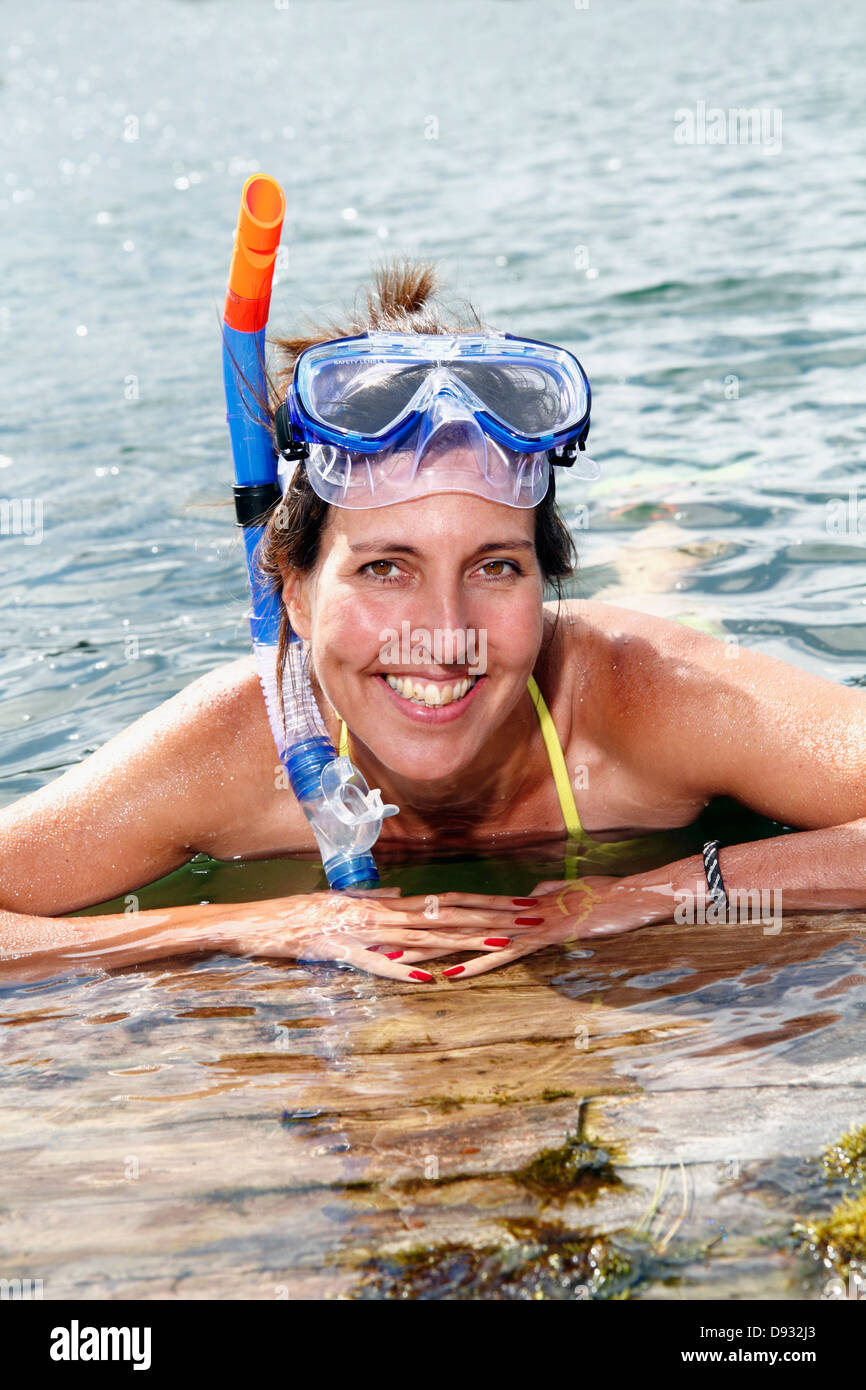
[(225, 701), (594, 650), (216, 723), (650, 663), (197, 773), (612, 626), (244, 807), (714, 717), (208, 722)]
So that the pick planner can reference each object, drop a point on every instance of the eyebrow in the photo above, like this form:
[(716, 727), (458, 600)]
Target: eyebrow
[(396, 547)]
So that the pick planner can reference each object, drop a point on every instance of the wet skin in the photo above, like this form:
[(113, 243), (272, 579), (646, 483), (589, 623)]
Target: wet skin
[(656, 714)]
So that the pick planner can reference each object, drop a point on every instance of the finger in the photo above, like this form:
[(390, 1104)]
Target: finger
[(413, 957), (481, 964), (409, 939), (372, 892), (433, 903), (445, 916), (374, 963)]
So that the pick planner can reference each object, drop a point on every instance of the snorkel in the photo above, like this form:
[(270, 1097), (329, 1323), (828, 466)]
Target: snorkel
[(346, 816)]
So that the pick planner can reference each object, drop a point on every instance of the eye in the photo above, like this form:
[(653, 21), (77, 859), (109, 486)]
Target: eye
[(378, 569), (498, 570)]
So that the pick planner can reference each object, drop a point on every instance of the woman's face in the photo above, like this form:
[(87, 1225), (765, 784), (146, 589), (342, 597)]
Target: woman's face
[(444, 592)]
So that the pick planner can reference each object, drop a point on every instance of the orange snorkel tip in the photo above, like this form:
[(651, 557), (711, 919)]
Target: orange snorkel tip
[(260, 221)]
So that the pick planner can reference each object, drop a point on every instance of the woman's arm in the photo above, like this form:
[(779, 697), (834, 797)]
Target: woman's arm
[(818, 871), (812, 871), (195, 774), (32, 947), (178, 781), (379, 932)]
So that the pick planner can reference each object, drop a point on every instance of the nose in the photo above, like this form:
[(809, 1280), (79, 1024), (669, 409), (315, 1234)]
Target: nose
[(444, 604), (440, 603)]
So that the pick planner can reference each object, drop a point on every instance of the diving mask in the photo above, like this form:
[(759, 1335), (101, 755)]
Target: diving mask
[(386, 417)]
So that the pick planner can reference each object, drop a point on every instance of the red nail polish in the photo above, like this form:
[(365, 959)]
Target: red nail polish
[(392, 955), (455, 970), (528, 921), (524, 902), (419, 975), (497, 941)]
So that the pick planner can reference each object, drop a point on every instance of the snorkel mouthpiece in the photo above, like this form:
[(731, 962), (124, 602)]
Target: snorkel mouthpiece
[(346, 816)]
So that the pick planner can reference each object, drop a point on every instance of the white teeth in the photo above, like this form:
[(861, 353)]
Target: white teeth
[(431, 695)]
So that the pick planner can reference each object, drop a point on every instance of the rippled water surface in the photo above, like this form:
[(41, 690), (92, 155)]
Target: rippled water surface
[(237, 1128)]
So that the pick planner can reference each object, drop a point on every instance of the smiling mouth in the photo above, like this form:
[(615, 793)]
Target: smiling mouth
[(426, 693)]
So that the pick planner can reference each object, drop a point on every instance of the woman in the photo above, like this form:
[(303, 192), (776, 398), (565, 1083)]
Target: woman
[(656, 715)]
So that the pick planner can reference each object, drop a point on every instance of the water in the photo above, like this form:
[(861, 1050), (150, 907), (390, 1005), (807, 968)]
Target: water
[(715, 294)]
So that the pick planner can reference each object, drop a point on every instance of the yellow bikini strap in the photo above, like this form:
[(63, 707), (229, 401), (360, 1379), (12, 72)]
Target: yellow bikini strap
[(554, 753), (557, 761)]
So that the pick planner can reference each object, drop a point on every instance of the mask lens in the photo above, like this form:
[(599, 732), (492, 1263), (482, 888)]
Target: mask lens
[(528, 398), (367, 394), (363, 397), (404, 415)]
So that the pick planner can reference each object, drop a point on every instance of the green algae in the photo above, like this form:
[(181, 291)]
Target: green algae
[(840, 1240), (445, 1104), (551, 1263), (411, 1186), (578, 1170), (847, 1157), (536, 1260)]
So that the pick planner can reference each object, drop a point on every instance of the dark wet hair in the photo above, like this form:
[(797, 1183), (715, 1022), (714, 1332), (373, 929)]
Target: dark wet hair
[(405, 298)]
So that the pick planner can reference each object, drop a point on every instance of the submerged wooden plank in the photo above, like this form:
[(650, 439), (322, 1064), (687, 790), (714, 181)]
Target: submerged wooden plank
[(285, 1124)]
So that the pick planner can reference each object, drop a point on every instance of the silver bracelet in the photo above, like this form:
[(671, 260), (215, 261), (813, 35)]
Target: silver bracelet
[(715, 883)]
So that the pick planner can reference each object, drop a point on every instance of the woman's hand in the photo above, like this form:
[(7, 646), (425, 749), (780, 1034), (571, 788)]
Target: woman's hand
[(557, 911), (382, 933), (374, 929)]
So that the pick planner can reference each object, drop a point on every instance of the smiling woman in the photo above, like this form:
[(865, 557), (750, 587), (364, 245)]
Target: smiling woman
[(412, 546)]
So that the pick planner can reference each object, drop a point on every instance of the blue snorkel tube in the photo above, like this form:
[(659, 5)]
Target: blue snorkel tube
[(345, 814)]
